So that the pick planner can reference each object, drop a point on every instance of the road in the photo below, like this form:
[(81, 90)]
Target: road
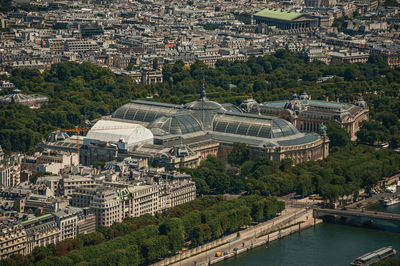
[(360, 213), (246, 238)]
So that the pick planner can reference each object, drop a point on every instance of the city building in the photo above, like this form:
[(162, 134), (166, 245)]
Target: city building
[(285, 20), (33, 101), (69, 183), (106, 205), (348, 57), (200, 121), (41, 231), (67, 221), (307, 115), (12, 238)]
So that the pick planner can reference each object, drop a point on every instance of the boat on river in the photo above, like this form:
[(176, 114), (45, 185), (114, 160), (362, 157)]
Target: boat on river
[(390, 202), (374, 256)]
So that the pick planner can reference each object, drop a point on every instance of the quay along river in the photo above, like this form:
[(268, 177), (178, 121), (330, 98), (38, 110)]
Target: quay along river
[(326, 244)]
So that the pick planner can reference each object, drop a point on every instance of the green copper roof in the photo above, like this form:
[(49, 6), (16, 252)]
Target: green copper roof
[(123, 193), (269, 13), (35, 219)]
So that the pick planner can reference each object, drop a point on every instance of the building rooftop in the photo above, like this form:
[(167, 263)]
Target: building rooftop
[(114, 131), (35, 219), (277, 14)]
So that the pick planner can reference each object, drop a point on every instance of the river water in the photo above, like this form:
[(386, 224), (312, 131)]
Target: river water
[(326, 244)]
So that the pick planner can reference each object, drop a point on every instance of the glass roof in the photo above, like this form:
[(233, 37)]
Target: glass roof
[(251, 125), (145, 111), (177, 124)]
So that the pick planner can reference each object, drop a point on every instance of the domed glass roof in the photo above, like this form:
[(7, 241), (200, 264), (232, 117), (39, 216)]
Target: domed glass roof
[(144, 111), (253, 125), (177, 124), (204, 110), (204, 104)]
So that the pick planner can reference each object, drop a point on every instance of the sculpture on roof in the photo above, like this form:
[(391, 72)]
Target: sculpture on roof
[(322, 129), (360, 102)]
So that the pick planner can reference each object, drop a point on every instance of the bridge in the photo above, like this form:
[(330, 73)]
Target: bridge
[(318, 212)]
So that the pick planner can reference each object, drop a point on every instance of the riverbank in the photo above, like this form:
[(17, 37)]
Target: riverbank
[(325, 244), (290, 221)]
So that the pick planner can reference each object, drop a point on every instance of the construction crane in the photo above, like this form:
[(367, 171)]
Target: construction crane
[(78, 131)]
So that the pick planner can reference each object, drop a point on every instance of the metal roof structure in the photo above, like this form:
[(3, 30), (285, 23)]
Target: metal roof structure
[(212, 120), (114, 131), (252, 125), (179, 123), (312, 104), (18, 98), (38, 218), (145, 111), (277, 14)]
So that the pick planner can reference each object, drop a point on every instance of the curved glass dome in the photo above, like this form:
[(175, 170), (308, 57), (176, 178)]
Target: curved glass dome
[(204, 104), (177, 124), (144, 111), (252, 125), (204, 110)]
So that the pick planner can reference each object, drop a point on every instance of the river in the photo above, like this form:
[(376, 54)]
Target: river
[(326, 244)]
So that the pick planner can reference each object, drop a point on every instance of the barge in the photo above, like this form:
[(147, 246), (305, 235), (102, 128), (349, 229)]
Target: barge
[(374, 256)]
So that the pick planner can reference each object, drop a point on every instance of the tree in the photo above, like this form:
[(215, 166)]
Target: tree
[(239, 154), (155, 63), (388, 119), (349, 74), (371, 132), (338, 136)]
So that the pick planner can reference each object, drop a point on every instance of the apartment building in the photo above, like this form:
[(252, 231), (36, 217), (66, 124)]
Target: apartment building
[(142, 200), (106, 206), (41, 231), (80, 46), (112, 205), (67, 221), (70, 183), (12, 239), (5, 176)]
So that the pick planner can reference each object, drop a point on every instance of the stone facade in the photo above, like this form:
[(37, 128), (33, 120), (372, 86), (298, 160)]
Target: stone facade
[(307, 115)]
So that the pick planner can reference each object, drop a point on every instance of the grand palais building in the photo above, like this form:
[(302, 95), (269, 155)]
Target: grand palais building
[(183, 135)]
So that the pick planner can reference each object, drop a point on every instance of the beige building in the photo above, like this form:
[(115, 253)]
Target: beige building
[(70, 183), (67, 221), (106, 206), (140, 200), (175, 193), (12, 239), (307, 115), (348, 57), (41, 231), (112, 204)]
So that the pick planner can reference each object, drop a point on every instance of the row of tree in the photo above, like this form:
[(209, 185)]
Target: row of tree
[(143, 240), (344, 172), (85, 91)]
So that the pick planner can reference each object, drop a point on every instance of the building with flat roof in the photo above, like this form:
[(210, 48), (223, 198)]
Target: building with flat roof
[(67, 221), (285, 20)]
